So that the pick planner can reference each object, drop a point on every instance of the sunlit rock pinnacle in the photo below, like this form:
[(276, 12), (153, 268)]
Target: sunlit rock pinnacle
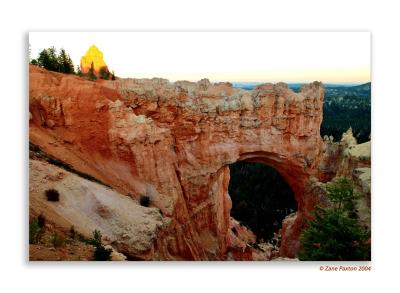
[(92, 55)]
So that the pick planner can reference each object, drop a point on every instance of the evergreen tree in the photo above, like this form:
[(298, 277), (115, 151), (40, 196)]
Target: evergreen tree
[(335, 233), (104, 73), (65, 62), (78, 70), (113, 75), (44, 59), (90, 74), (100, 253), (48, 59)]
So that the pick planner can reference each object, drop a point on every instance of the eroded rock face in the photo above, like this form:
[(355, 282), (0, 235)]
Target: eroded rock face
[(173, 142), (88, 206), (349, 159)]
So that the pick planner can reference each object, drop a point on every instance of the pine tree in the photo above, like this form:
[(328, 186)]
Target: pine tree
[(61, 60), (90, 74), (54, 64), (335, 233), (78, 70), (104, 73), (48, 59), (65, 62)]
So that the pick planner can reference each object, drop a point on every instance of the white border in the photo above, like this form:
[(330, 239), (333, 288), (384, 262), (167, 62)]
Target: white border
[(381, 18)]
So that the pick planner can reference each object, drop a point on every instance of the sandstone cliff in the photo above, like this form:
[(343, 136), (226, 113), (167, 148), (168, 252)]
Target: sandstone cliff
[(173, 142)]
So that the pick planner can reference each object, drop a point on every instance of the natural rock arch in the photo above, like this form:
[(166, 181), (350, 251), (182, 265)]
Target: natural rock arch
[(173, 142), (296, 177)]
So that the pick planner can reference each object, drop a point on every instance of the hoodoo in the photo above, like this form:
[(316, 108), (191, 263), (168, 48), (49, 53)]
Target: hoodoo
[(93, 56)]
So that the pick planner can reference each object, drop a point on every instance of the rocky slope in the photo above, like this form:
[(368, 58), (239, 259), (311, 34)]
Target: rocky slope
[(173, 142), (87, 206)]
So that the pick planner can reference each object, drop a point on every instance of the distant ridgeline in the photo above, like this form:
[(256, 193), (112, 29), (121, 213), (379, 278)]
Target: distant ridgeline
[(344, 106)]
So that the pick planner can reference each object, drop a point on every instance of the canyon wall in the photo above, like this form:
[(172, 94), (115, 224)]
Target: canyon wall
[(173, 142)]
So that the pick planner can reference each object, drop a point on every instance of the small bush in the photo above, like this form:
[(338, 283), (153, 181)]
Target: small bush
[(100, 253), (104, 73), (96, 240), (35, 231), (57, 240), (144, 200), (72, 232), (52, 195), (41, 221)]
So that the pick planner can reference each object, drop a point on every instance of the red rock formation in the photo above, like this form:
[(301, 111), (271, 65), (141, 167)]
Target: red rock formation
[(173, 142)]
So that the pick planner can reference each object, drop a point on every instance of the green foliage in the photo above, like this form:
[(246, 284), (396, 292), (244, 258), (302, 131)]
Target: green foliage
[(342, 196), (261, 198), (35, 232), (100, 253), (335, 233), (65, 62), (62, 62), (96, 240), (49, 60), (57, 240), (79, 70), (104, 73), (41, 220), (90, 75), (144, 200), (340, 113)]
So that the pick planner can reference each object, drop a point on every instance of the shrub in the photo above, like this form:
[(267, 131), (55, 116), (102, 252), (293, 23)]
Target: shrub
[(144, 200), (41, 221), (91, 75), (57, 240), (104, 73), (34, 231), (335, 233), (72, 232), (52, 195), (100, 253)]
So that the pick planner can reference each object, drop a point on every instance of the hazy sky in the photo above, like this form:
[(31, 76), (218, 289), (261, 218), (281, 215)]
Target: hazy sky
[(259, 57)]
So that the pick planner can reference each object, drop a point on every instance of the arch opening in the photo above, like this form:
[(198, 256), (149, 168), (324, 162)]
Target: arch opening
[(261, 198)]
